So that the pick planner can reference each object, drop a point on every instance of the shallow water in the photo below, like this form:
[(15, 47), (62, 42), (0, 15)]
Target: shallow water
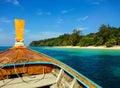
[(101, 66)]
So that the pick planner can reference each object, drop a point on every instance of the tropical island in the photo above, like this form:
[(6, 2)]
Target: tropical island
[(106, 36)]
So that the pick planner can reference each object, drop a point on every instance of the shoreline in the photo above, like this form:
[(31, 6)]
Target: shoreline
[(89, 47)]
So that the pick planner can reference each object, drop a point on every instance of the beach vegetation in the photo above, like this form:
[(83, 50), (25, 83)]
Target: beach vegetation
[(106, 35)]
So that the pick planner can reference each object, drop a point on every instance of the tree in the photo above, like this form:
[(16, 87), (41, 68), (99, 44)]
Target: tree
[(110, 43), (86, 41), (107, 35), (74, 37), (98, 41)]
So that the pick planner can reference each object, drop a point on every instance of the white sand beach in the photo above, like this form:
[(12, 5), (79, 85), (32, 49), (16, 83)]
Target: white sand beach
[(90, 47)]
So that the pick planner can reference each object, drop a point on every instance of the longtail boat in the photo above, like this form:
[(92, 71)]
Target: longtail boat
[(21, 67)]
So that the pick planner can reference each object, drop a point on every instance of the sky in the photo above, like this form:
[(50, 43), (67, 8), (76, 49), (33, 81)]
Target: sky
[(51, 18)]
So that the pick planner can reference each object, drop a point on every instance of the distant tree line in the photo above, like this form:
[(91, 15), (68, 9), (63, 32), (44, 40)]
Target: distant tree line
[(107, 35)]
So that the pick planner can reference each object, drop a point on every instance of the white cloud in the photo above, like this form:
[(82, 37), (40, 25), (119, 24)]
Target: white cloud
[(7, 40), (39, 13), (82, 18), (59, 21), (5, 20), (48, 13), (27, 31), (81, 28), (66, 11), (43, 13), (85, 18), (42, 35), (15, 2)]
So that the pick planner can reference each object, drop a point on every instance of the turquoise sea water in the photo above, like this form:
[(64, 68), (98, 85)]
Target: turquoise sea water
[(101, 66)]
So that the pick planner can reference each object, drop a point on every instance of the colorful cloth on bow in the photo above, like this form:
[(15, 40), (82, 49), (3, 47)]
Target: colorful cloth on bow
[(19, 26)]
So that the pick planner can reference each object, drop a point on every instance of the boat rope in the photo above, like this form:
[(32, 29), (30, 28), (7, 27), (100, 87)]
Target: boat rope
[(6, 83), (24, 64), (43, 76), (15, 69), (2, 65), (2, 75), (2, 68)]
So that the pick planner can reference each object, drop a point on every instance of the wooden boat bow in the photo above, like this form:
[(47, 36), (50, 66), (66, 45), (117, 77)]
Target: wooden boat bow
[(22, 61)]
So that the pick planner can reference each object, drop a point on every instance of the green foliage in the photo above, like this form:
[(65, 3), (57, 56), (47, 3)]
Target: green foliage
[(86, 41), (118, 41), (98, 41), (107, 35), (110, 43), (74, 37)]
